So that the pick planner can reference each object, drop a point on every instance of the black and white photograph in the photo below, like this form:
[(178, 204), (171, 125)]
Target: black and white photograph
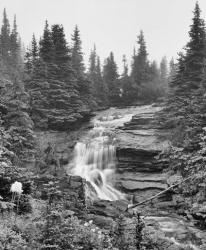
[(102, 125)]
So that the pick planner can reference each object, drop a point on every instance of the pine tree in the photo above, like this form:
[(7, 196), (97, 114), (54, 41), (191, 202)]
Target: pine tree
[(5, 38), (31, 56), (140, 65), (172, 69), (110, 76), (186, 94), (92, 62), (46, 45), (14, 44), (127, 95), (195, 49), (61, 50), (98, 87), (56, 100), (77, 55), (34, 49)]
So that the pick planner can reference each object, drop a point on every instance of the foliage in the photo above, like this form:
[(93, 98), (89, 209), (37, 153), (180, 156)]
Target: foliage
[(98, 85), (110, 77), (59, 95)]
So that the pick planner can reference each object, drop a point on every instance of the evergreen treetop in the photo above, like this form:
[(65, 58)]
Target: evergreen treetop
[(46, 45), (77, 55), (61, 50)]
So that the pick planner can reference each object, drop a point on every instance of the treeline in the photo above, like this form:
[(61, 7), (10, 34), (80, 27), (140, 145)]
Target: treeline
[(49, 85), (185, 111), (145, 82)]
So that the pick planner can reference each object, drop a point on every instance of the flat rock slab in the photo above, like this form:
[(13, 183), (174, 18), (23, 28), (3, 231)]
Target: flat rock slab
[(144, 140), (141, 185), (143, 177)]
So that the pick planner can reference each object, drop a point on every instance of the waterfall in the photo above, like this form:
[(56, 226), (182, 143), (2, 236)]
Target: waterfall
[(95, 159)]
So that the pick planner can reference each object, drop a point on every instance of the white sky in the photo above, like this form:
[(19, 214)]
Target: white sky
[(113, 25)]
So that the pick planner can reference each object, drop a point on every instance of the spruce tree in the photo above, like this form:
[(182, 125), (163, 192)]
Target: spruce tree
[(110, 76), (140, 65), (92, 62), (56, 102), (172, 69), (127, 95), (195, 49), (185, 94), (77, 55), (14, 44), (61, 50), (46, 45), (5, 37), (34, 49)]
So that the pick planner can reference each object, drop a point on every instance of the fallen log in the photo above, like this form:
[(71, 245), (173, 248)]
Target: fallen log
[(155, 196)]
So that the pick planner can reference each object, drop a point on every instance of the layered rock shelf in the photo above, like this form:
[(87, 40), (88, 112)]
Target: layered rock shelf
[(140, 172)]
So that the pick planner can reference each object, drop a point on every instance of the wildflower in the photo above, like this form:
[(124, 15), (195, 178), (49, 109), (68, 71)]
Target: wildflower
[(93, 230), (16, 187), (86, 224), (4, 164), (91, 221)]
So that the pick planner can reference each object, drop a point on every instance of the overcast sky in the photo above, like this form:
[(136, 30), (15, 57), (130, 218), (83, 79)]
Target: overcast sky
[(113, 25)]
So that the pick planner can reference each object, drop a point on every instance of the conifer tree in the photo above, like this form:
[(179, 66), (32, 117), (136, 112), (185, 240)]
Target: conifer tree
[(186, 95), (14, 44), (140, 65), (60, 48), (92, 62), (110, 76), (127, 95), (32, 55), (99, 90), (77, 55), (172, 69), (195, 48), (5, 37), (34, 49), (56, 100), (46, 45)]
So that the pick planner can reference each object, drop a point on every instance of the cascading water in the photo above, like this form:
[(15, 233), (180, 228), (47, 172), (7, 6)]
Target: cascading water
[(95, 157)]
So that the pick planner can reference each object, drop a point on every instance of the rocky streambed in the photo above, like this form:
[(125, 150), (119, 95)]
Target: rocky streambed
[(139, 174)]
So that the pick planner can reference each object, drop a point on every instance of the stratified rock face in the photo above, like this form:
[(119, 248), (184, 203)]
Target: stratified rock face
[(139, 169)]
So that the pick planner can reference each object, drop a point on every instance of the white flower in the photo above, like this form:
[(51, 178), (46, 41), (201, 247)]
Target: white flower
[(93, 230), (4, 164), (86, 224), (16, 187), (91, 221)]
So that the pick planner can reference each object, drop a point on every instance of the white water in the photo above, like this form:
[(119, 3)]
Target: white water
[(95, 155)]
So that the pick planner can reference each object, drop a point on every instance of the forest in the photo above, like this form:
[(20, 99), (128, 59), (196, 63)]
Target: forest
[(50, 98)]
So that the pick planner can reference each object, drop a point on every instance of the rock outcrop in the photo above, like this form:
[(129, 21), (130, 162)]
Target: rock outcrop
[(140, 172), (62, 142)]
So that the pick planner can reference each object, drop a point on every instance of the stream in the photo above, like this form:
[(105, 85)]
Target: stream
[(95, 154), (95, 160)]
